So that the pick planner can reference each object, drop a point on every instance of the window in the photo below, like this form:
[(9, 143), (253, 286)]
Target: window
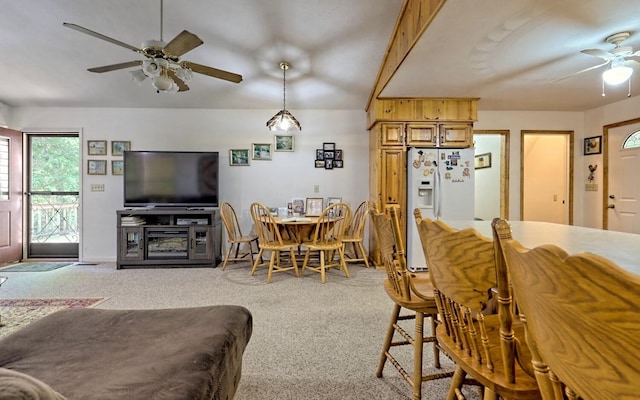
[(633, 141)]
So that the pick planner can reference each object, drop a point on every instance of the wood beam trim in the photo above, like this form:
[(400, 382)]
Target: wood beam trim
[(415, 16)]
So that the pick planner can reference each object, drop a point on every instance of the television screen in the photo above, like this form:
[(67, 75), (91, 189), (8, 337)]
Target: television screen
[(170, 179)]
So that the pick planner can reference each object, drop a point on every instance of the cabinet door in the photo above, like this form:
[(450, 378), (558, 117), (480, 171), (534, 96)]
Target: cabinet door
[(393, 183), (201, 243), (456, 135), (422, 135), (392, 134), (131, 243)]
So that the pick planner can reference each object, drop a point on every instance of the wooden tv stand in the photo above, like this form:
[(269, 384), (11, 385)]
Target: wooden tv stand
[(168, 237)]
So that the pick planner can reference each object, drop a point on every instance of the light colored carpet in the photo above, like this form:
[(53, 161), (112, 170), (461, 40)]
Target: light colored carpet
[(310, 340)]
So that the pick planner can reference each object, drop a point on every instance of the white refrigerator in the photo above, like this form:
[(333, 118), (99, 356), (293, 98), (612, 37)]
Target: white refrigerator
[(440, 183)]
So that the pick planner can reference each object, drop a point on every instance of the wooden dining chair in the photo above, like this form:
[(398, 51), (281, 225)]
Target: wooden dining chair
[(270, 240), (582, 318), (235, 238), (326, 240), (412, 292), (465, 271), (354, 235)]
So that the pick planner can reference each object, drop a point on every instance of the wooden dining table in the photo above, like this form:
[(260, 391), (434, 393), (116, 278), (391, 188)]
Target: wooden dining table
[(620, 247), (298, 228)]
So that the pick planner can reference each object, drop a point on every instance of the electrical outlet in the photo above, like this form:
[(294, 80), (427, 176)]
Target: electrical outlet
[(316, 188), (97, 187)]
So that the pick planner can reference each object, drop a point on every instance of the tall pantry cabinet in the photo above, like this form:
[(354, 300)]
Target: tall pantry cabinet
[(395, 125)]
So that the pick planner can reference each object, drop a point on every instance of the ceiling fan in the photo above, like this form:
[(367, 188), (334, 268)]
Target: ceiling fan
[(162, 64), (621, 64)]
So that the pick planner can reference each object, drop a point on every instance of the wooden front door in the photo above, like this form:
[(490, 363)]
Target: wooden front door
[(10, 195)]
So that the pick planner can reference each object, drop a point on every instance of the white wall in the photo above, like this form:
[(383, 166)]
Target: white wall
[(487, 186), (274, 183)]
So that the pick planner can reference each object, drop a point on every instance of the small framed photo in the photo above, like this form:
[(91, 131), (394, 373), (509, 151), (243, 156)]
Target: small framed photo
[(328, 146), (319, 163), (337, 155), (97, 167), (337, 163), (97, 147), (328, 155), (593, 145), (239, 157), (118, 147), (319, 154), (328, 163), (283, 142), (261, 151), (483, 160), (297, 206), (117, 167), (314, 206), (333, 200)]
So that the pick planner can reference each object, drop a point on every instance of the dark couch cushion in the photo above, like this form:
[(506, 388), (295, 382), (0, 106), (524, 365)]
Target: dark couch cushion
[(183, 353)]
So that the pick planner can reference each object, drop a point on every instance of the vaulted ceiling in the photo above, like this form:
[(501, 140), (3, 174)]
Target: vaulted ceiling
[(507, 53)]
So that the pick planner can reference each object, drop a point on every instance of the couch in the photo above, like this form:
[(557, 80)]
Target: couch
[(86, 353)]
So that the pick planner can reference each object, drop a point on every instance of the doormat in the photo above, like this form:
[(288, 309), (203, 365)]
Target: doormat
[(35, 266), (15, 314)]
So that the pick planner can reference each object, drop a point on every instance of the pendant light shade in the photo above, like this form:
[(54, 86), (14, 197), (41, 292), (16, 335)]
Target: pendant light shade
[(284, 120)]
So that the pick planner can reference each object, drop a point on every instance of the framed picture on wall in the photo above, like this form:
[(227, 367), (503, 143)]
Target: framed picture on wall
[(239, 157), (283, 142), (118, 147), (97, 147), (96, 167), (117, 167), (483, 160), (261, 151), (593, 145)]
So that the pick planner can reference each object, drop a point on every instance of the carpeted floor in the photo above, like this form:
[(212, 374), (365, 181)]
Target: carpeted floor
[(34, 266), (310, 341), (18, 313)]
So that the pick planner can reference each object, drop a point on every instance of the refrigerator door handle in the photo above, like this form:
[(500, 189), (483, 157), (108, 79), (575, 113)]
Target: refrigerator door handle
[(437, 198)]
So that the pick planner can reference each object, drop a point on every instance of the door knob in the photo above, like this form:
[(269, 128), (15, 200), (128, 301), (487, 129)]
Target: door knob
[(611, 206), (611, 196)]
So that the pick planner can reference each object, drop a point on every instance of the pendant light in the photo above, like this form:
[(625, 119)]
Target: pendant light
[(284, 120)]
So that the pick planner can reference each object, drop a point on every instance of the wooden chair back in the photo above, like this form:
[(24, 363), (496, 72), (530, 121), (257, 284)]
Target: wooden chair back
[(355, 229), (266, 227), (465, 269), (330, 227), (392, 252), (230, 221), (582, 317)]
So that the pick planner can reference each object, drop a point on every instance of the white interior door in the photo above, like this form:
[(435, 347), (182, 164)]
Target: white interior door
[(624, 182)]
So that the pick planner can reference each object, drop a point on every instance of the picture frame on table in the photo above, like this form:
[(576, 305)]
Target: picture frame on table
[(118, 147), (96, 167), (483, 160), (297, 206), (261, 151), (283, 142), (333, 200), (593, 145), (314, 206), (117, 167), (97, 147), (239, 157), (328, 146)]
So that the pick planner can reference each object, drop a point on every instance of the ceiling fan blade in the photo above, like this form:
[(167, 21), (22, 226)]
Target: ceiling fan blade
[(605, 55), (100, 36), (114, 67), (581, 71), (632, 64), (214, 72), (184, 42), (182, 87)]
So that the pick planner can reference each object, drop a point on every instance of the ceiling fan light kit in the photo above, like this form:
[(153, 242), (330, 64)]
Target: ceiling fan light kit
[(162, 64), (617, 74), (284, 120)]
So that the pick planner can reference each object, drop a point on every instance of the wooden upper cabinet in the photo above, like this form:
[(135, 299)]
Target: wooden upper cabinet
[(456, 135), (392, 134), (422, 135)]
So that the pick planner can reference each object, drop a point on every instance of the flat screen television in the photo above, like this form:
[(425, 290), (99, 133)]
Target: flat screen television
[(170, 179)]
